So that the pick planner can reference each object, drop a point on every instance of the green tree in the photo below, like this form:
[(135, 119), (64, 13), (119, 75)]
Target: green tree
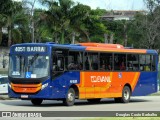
[(94, 25), (3, 19), (67, 19), (78, 15), (13, 11), (58, 14), (144, 30), (42, 27), (5, 10), (20, 27)]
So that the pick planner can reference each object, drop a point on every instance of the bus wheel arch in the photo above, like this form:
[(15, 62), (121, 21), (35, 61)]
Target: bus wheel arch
[(76, 90), (127, 84), (126, 94), (71, 95)]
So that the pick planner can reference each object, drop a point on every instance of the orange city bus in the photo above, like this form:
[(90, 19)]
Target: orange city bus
[(92, 71)]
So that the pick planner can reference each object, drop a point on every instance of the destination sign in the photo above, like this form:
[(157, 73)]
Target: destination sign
[(30, 49)]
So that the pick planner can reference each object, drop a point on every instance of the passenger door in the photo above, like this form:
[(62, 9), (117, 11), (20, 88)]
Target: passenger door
[(59, 58)]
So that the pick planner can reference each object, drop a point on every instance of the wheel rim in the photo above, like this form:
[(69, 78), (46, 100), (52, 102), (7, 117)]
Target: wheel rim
[(70, 97), (126, 94)]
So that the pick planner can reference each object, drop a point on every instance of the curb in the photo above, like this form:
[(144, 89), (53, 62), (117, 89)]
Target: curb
[(4, 97), (1, 98)]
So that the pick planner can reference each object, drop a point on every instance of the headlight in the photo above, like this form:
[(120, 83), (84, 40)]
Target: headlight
[(44, 86)]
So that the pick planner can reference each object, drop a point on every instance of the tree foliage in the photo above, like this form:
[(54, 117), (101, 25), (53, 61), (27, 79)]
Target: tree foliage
[(65, 21)]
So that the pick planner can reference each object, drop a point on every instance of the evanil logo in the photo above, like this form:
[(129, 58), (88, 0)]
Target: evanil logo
[(100, 79)]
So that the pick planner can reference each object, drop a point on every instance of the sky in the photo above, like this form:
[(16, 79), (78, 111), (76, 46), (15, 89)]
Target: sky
[(110, 4), (115, 4)]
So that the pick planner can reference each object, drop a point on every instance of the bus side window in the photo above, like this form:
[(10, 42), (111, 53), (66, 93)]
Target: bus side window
[(146, 68), (60, 63), (141, 68), (95, 66), (135, 67), (71, 66), (153, 63), (87, 64)]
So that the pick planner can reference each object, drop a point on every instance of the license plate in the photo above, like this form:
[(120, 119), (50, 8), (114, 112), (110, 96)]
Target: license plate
[(24, 96)]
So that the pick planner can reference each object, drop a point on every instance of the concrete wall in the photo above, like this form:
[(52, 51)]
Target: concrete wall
[(4, 58)]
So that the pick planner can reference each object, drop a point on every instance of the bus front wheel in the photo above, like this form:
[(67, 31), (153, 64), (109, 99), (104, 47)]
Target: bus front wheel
[(70, 98), (36, 101)]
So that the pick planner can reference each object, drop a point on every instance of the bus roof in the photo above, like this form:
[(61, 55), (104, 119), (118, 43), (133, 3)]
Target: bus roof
[(101, 47)]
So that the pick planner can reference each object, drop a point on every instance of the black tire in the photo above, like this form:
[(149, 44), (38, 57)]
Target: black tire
[(97, 100), (70, 98), (36, 101), (126, 94)]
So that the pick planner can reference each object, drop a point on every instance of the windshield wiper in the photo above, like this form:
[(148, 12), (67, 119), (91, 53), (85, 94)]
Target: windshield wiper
[(34, 58)]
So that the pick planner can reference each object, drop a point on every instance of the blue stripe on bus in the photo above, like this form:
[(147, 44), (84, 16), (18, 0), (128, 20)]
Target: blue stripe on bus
[(71, 47), (146, 84), (151, 51)]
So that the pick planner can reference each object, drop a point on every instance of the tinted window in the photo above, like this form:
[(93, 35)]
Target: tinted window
[(146, 63), (75, 61), (132, 62), (106, 61), (91, 61), (3, 80), (120, 62)]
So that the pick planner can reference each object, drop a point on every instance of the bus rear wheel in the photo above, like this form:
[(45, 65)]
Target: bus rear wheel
[(36, 101), (70, 99), (96, 100), (126, 94)]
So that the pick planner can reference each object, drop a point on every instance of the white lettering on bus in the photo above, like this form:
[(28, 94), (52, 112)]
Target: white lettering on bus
[(100, 79), (20, 49), (35, 49), (30, 49)]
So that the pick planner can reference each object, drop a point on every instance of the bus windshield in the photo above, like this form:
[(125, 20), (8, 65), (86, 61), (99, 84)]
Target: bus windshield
[(31, 66)]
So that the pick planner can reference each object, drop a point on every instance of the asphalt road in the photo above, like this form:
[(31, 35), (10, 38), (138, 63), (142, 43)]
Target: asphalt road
[(81, 108), (147, 103)]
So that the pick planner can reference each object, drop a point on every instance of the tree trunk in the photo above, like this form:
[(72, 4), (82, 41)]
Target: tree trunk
[(62, 37), (33, 40), (73, 37), (9, 36), (9, 31), (111, 38), (39, 38), (125, 35), (105, 38), (89, 40), (32, 21), (56, 38), (0, 35), (125, 40)]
